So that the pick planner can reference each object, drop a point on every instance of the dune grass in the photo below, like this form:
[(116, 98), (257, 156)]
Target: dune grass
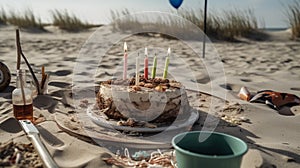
[(225, 25), (25, 20), (3, 17), (143, 24), (67, 21), (293, 15)]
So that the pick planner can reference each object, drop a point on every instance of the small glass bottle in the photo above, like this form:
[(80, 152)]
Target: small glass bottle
[(22, 98)]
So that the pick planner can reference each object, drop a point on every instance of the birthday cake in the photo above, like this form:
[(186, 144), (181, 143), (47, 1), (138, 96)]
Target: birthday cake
[(151, 100)]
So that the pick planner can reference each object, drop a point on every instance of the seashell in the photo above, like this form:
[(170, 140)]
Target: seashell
[(120, 123), (18, 158), (149, 125), (244, 94), (244, 119)]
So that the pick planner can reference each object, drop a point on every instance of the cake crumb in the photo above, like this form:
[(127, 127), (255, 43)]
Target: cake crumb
[(148, 85), (136, 88), (160, 88)]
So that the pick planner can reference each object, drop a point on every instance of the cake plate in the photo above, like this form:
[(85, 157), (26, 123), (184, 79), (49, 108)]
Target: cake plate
[(101, 120)]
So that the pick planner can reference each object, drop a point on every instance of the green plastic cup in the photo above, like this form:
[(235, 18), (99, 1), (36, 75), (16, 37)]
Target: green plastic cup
[(198, 149)]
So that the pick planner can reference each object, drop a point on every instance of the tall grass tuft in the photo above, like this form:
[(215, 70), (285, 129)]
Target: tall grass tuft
[(26, 20), (137, 23), (225, 25), (66, 21), (3, 16), (238, 23), (293, 15), (121, 24)]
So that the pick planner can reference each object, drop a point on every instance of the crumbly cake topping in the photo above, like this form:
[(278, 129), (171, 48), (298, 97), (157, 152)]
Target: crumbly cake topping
[(156, 84)]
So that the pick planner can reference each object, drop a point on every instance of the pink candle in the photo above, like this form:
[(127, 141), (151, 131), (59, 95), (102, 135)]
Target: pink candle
[(125, 62), (146, 64)]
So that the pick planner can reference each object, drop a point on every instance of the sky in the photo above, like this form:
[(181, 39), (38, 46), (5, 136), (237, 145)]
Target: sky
[(269, 13)]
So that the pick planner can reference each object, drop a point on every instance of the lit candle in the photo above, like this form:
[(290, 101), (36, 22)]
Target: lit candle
[(146, 64), (167, 64), (125, 62), (154, 67), (137, 65)]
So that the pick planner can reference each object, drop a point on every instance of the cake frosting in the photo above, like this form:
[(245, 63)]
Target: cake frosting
[(152, 100)]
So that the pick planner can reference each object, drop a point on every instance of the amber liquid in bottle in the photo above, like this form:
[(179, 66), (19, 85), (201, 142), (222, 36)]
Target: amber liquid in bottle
[(22, 112), (22, 98)]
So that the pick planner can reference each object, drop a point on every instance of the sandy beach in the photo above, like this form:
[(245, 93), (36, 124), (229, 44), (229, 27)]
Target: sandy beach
[(271, 64)]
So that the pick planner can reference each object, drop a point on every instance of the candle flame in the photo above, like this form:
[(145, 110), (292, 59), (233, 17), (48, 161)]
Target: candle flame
[(125, 46), (169, 51)]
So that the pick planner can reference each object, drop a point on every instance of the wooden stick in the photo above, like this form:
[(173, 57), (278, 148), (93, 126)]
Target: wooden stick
[(18, 49), (43, 70), (43, 76), (43, 82)]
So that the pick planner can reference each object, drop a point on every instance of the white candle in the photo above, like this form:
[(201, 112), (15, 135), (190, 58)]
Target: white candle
[(137, 65), (125, 62)]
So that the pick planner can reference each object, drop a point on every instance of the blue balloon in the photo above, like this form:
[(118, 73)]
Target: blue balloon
[(176, 3)]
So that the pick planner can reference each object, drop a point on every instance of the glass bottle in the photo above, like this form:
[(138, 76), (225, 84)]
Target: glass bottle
[(22, 98)]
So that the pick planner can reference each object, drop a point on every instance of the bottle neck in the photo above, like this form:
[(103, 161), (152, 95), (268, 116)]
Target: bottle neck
[(21, 78)]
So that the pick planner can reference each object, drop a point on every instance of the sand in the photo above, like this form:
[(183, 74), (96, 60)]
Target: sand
[(272, 138)]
